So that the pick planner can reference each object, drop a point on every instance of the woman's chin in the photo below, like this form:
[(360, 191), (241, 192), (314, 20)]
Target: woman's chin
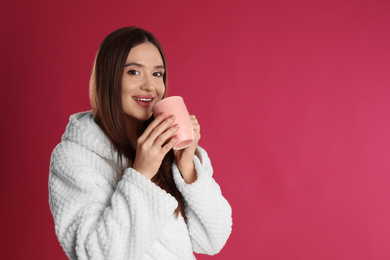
[(147, 117)]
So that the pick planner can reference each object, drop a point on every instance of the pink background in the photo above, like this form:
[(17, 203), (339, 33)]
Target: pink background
[(292, 98)]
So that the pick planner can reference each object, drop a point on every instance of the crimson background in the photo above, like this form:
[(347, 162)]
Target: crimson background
[(292, 97)]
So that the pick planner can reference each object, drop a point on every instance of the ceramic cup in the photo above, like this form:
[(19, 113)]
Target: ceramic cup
[(175, 106)]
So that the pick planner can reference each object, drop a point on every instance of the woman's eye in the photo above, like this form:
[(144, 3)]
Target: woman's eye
[(133, 72), (158, 74)]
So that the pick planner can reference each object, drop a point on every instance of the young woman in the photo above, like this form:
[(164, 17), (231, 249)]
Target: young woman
[(117, 189)]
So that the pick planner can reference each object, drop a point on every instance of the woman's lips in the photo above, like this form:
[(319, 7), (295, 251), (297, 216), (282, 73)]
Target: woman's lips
[(143, 100)]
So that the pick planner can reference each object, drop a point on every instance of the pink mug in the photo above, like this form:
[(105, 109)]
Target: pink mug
[(175, 106)]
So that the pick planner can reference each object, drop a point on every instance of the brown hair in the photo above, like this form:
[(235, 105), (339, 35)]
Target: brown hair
[(106, 102)]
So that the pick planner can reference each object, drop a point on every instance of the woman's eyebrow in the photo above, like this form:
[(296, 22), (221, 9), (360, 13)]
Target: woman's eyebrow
[(141, 65), (134, 64), (162, 67)]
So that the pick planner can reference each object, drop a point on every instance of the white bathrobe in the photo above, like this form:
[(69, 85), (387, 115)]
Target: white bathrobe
[(99, 216)]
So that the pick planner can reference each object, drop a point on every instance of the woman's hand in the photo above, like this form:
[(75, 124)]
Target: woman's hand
[(154, 143), (184, 157)]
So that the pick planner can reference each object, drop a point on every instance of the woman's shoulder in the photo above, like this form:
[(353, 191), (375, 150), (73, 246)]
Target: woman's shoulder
[(82, 134), (80, 127), (84, 148)]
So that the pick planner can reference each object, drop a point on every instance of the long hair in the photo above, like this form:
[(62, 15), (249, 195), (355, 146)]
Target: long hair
[(106, 101)]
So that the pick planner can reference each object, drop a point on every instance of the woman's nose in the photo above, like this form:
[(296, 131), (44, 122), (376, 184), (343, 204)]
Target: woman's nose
[(148, 83)]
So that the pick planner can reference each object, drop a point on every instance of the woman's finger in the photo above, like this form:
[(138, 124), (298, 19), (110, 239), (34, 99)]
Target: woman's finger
[(151, 126), (161, 128), (166, 135), (169, 145), (193, 118), (195, 123)]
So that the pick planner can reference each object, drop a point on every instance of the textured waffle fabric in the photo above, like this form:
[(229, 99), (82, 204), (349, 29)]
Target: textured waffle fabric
[(99, 215)]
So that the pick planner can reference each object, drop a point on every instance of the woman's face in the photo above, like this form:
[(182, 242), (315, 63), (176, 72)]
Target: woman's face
[(142, 81)]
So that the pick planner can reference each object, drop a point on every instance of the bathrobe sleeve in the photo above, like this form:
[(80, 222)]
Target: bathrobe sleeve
[(97, 218), (209, 215)]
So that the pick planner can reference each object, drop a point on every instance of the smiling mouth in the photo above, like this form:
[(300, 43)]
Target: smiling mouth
[(143, 99)]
